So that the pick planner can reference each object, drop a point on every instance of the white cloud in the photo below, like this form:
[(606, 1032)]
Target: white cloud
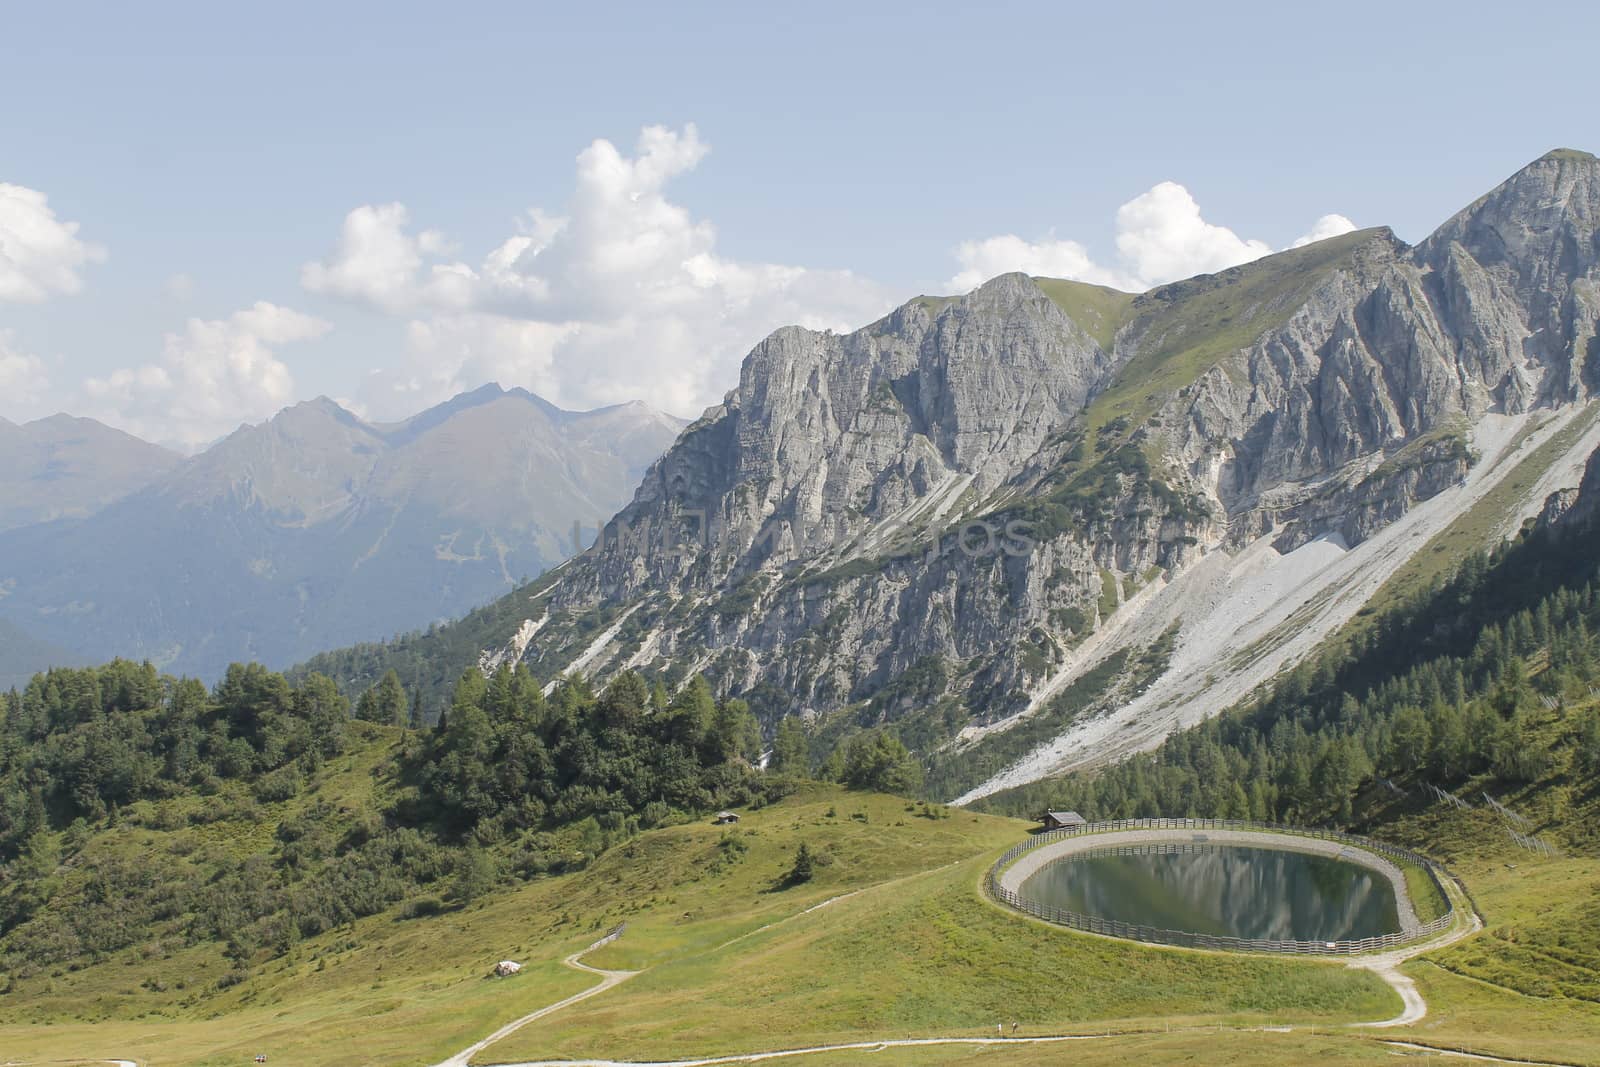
[(622, 297), (1049, 258), (377, 263), (40, 256), (213, 375), (23, 381), (1325, 227), (1161, 237)]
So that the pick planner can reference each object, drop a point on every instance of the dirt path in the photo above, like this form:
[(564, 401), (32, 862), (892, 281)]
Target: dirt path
[(811, 1050), (575, 961), (1481, 1057), (1387, 965)]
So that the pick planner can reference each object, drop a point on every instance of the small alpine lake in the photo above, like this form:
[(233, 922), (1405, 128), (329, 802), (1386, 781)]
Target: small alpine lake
[(1222, 890)]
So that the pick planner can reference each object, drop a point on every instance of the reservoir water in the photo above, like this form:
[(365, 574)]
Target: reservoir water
[(1223, 890)]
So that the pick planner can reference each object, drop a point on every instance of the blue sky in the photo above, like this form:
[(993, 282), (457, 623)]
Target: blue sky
[(818, 164)]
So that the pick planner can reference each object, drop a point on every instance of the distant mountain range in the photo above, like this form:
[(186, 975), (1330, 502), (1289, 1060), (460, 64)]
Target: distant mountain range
[(67, 468), (310, 530)]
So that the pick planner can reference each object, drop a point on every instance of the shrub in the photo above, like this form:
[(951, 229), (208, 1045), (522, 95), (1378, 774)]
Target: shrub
[(422, 907)]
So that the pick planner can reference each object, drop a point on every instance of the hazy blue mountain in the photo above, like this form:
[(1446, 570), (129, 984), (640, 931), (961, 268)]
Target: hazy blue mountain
[(21, 655), (65, 467), (317, 528)]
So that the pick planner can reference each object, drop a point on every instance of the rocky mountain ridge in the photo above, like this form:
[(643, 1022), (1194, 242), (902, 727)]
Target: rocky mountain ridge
[(948, 520)]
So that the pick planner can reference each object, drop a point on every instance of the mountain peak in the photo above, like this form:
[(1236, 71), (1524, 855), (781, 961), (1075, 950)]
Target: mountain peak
[(1566, 155), (63, 466), (62, 419), (1538, 225), (317, 411), (62, 425)]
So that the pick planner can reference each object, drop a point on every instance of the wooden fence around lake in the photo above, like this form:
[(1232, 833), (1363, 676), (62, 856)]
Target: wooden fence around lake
[(1184, 939)]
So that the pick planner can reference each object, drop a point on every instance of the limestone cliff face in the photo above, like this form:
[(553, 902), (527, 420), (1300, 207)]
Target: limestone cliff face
[(828, 437), (810, 542), (1517, 269), (1576, 506)]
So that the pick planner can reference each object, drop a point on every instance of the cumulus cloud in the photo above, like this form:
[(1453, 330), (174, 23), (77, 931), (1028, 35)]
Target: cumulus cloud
[(620, 296), (1161, 237), (376, 262), (213, 375), (40, 256), (1325, 227), (23, 382), (1051, 258)]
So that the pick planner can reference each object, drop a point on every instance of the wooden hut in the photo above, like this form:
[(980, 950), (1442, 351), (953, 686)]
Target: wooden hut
[(1064, 820)]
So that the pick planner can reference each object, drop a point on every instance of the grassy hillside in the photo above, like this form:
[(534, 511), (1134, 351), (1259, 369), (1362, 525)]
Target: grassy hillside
[(890, 938), (1528, 987), (377, 980), (906, 943), (1188, 327), (1100, 310), (925, 956)]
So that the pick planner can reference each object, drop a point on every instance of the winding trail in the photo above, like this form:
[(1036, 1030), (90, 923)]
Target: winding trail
[(608, 979), (1387, 965), (854, 1046)]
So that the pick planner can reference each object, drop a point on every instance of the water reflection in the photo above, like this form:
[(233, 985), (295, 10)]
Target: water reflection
[(1223, 890)]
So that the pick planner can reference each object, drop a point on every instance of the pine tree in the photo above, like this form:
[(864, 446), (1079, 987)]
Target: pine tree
[(804, 868), (790, 753)]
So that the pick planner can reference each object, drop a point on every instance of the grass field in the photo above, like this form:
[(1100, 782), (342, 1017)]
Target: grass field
[(927, 956), (891, 939), (920, 955), (906, 945), (1100, 311), (392, 991)]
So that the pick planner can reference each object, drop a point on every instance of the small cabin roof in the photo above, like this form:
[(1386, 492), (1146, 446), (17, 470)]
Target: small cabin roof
[(1065, 816)]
